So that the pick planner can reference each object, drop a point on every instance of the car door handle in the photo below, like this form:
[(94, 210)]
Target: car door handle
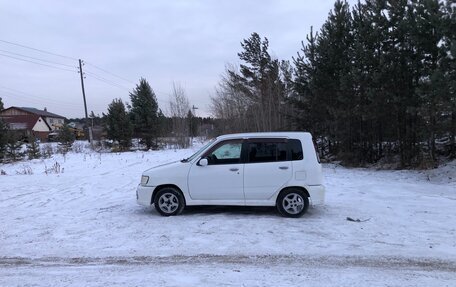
[(234, 169), (283, 167)]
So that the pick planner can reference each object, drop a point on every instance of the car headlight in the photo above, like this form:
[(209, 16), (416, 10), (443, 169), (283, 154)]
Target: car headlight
[(144, 180)]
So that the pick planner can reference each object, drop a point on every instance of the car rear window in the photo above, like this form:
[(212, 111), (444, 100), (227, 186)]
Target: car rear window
[(295, 148), (267, 151), (273, 150)]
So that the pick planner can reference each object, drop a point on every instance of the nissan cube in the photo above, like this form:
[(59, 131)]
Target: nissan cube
[(280, 169)]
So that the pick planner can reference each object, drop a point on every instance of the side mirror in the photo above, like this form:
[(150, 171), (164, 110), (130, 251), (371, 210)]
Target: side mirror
[(203, 162)]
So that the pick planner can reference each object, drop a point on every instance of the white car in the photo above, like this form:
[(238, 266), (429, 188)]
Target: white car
[(278, 169)]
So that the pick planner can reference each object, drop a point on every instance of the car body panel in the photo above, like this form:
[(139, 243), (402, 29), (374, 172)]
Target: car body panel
[(263, 180), (216, 182)]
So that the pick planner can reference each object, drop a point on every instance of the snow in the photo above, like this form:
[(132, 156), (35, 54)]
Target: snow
[(82, 227)]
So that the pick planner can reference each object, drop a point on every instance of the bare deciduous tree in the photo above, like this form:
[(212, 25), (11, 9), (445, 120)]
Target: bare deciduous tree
[(179, 107), (230, 105)]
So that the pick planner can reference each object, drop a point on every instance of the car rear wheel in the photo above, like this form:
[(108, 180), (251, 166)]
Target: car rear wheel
[(292, 203), (169, 201)]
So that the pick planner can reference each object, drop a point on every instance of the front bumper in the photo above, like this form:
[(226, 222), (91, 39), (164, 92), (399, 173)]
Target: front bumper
[(144, 195)]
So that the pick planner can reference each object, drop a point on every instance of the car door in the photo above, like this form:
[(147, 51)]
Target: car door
[(267, 168), (222, 178)]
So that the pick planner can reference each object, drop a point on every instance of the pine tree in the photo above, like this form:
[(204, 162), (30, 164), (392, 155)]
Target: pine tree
[(380, 80), (371, 111), (378, 94), (3, 139), (33, 148), (430, 87), (66, 138), (1, 104), (118, 125), (260, 82), (193, 124), (308, 111), (257, 92), (14, 147), (163, 126), (363, 56), (144, 113), (448, 68), (323, 81)]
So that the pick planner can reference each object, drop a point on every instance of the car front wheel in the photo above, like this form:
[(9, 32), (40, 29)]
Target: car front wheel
[(292, 203), (169, 201)]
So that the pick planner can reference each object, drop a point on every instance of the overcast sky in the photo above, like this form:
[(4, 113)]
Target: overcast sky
[(188, 42)]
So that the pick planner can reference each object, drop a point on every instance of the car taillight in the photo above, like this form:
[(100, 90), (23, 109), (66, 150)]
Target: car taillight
[(316, 150)]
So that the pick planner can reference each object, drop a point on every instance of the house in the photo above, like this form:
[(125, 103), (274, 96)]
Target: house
[(31, 121), (53, 120)]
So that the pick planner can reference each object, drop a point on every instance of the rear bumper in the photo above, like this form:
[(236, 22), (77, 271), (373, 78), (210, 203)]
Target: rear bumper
[(317, 194), (144, 195)]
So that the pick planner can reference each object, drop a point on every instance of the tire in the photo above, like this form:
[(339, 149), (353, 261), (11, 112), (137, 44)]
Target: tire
[(292, 203), (169, 201)]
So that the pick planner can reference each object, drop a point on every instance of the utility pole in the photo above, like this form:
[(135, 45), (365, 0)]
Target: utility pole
[(194, 108), (85, 103)]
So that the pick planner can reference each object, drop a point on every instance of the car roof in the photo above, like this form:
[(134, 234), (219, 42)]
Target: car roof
[(266, 135)]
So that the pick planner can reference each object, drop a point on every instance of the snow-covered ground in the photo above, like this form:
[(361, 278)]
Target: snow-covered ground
[(82, 227)]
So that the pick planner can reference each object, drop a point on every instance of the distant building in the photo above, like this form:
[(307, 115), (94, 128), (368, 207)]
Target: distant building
[(53, 120), (31, 121), (76, 125)]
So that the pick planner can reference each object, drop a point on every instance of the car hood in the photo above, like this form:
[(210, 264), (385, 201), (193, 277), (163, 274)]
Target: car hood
[(165, 167)]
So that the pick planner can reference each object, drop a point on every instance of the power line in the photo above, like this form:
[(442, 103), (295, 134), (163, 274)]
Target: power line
[(114, 84), (112, 74), (37, 63), (32, 97), (39, 50), (93, 75), (27, 95), (36, 101), (47, 52), (41, 101), (100, 78), (38, 59)]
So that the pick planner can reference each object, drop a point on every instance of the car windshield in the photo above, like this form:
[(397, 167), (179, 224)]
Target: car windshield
[(199, 151)]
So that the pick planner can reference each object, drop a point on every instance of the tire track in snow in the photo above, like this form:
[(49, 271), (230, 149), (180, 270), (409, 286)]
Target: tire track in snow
[(380, 262)]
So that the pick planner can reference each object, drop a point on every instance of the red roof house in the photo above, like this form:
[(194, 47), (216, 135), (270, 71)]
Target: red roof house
[(30, 121)]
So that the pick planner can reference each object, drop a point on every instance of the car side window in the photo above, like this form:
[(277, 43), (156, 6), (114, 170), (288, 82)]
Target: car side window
[(267, 152), (228, 152)]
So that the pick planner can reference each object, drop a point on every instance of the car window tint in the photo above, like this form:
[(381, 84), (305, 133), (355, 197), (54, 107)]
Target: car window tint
[(267, 152), (227, 153), (296, 149)]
